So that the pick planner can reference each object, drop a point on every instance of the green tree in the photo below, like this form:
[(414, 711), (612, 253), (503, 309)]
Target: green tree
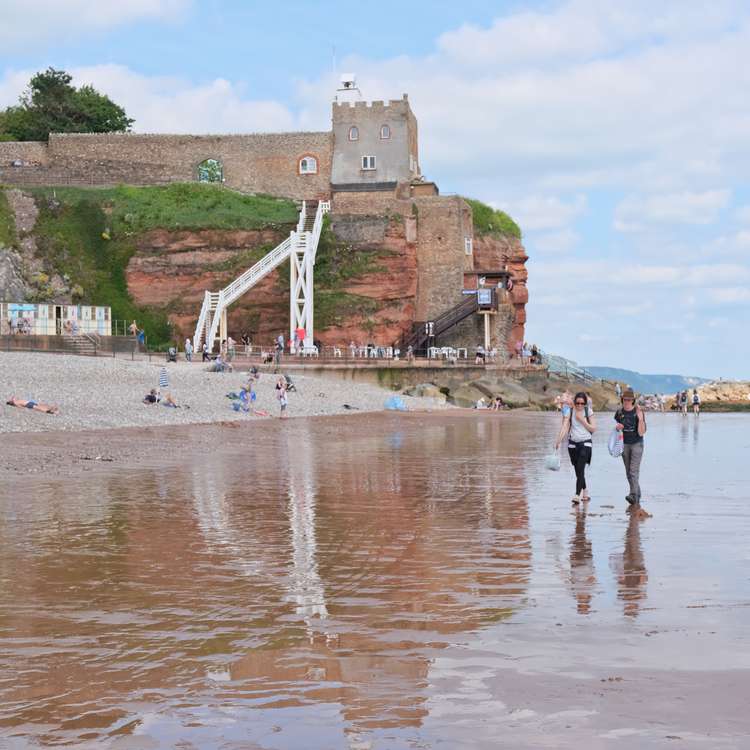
[(52, 104)]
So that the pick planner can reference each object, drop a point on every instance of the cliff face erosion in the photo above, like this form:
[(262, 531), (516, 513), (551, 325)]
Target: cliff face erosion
[(151, 253)]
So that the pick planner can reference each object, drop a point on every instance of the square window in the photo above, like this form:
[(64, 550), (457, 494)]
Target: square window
[(368, 162)]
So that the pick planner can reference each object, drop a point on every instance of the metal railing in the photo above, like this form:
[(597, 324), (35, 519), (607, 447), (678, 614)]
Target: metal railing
[(568, 368)]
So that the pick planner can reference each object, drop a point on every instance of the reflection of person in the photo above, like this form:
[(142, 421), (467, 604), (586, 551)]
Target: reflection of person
[(582, 576), (631, 572)]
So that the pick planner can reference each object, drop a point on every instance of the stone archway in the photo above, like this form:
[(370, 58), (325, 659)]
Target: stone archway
[(210, 170)]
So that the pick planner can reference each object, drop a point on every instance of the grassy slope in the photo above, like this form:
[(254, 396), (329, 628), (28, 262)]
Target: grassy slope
[(488, 220), (7, 225), (89, 235)]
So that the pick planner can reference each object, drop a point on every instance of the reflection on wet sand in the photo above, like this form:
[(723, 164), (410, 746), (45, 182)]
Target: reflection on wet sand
[(630, 570), (582, 574), (323, 567)]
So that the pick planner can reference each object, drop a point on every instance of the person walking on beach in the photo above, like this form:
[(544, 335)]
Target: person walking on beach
[(683, 402), (618, 391), (204, 352), (578, 425), (631, 421), (188, 350), (696, 402)]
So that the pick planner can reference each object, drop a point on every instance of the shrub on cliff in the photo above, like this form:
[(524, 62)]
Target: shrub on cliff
[(52, 105), (488, 220)]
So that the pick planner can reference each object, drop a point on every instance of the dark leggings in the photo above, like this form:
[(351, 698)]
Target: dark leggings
[(580, 455)]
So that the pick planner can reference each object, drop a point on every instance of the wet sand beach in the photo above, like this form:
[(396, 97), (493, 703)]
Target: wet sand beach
[(384, 581)]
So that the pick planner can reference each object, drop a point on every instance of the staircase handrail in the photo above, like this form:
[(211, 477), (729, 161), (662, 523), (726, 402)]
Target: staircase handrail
[(442, 322), (256, 272), (323, 208)]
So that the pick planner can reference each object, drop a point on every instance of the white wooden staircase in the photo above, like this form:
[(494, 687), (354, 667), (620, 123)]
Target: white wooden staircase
[(301, 247)]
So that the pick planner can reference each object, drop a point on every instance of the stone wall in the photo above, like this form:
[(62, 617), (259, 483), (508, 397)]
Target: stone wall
[(257, 163), (442, 225), (28, 152)]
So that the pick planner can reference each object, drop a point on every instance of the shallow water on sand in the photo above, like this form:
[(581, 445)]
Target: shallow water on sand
[(383, 581)]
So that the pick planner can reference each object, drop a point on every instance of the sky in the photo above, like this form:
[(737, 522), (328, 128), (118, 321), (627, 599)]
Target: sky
[(615, 133)]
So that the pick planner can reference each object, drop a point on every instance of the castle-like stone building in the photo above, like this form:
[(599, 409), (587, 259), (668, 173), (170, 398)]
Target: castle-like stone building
[(368, 165)]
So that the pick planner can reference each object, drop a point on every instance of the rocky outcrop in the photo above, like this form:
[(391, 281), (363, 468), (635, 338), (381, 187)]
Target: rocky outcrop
[(12, 284), (536, 390), (724, 395), (23, 274)]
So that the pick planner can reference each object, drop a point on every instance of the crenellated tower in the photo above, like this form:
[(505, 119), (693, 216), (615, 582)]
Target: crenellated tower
[(375, 144)]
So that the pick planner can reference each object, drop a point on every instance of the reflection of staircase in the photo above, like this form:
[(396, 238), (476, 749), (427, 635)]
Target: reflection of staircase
[(418, 337), (301, 246)]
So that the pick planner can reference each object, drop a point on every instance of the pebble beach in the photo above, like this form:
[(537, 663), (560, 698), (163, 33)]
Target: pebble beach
[(95, 393)]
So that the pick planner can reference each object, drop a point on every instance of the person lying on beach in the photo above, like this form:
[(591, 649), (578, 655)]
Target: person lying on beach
[(169, 401), (33, 405)]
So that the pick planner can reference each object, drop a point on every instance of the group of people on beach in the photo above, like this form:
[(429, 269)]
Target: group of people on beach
[(579, 425), (683, 398)]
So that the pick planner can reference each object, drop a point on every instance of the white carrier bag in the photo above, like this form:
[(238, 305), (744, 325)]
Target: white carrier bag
[(552, 462), (616, 444)]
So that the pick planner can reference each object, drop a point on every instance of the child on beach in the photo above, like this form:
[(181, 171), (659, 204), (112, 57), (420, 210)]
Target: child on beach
[(281, 396), (578, 425)]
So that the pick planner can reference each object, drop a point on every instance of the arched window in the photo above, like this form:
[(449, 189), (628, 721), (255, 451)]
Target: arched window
[(308, 165), (353, 133), (210, 170), (385, 132)]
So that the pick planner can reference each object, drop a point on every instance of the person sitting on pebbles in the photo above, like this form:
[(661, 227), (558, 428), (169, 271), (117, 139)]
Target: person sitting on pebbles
[(152, 397)]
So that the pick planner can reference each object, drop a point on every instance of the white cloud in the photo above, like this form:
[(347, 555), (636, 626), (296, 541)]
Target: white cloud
[(636, 212), (581, 30), (742, 214), (34, 21), (543, 212), (560, 241), (729, 295)]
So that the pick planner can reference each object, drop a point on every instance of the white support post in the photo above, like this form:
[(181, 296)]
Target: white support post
[(309, 303), (292, 287)]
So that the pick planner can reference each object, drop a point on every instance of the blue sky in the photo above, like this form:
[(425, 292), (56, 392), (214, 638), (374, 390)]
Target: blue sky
[(615, 134)]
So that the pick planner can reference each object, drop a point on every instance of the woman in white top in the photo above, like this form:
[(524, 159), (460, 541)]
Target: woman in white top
[(579, 425)]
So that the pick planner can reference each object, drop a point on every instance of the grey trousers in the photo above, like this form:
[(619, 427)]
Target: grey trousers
[(631, 457)]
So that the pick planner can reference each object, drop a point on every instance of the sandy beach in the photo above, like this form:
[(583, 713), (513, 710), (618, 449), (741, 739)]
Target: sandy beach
[(103, 393), (380, 580)]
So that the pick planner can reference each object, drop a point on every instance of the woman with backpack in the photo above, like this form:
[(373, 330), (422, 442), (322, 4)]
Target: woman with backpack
[(578, 425)]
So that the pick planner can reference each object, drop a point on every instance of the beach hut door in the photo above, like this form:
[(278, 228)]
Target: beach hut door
[(58, 320)]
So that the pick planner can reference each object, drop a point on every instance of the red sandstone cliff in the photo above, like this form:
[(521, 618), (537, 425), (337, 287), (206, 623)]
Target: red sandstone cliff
[(506, 252), (172, 270)]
